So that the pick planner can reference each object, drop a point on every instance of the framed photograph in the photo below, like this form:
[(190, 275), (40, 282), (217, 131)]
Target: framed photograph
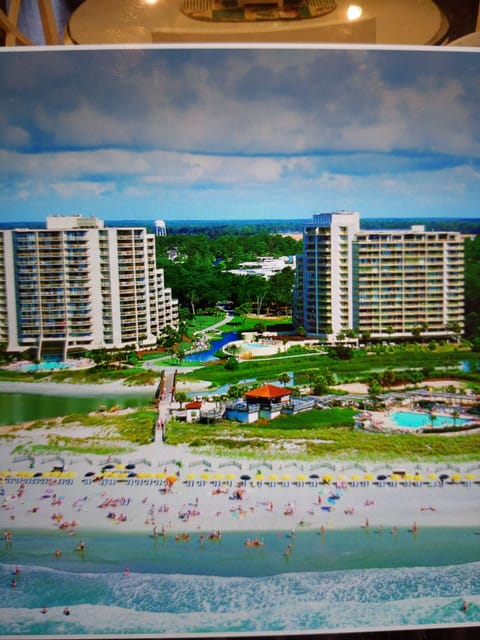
[(318, 473)]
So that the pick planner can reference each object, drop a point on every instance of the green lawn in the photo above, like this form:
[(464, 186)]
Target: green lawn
[(318, 434)]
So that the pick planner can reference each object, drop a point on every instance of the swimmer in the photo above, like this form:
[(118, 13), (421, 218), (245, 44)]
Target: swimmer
[(57, 553), (13, 583), (464, 606), (126, 571), (44, 609), (80, 546)]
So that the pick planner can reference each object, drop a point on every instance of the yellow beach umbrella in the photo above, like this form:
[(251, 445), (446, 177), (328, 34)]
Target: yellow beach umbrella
[(301, 477), (230, 476), (286, 476), (273, 477), (469, 476), (355, 477), (205, 476), (218, 476), (119, 467), (395, 477), (190, 476), (432, 476), (417, 478), (408, 476), (260, 477), (369, 477), (327, 478), (5, 474), (342, 478), (456, 477)]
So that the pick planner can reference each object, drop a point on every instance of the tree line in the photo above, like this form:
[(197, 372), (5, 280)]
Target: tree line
[(196, 270)]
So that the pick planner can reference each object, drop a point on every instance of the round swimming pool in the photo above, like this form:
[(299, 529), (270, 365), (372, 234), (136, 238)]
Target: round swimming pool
[(415, 420)]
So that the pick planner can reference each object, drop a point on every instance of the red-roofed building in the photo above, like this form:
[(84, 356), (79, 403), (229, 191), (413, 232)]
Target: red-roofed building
[(268, 394), (266, 401)]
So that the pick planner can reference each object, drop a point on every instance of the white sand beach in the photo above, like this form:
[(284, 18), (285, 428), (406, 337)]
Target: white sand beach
[(196, 502), (68, 389)]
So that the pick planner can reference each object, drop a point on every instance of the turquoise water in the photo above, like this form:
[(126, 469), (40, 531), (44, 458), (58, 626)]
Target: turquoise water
[(344, 579), (414, 420), (215, 345), (22, 407)]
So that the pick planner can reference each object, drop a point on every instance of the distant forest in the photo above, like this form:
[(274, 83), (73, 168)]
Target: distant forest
[(214, 228)]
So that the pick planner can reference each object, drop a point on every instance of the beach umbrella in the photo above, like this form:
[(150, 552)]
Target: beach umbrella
[(245, 477), (286, 476), (273, 477), (132, 474), (456, 477), (327, 478), (171, 479), (69, 474), (432, 476), (381, 477), (342, 478), (130, 466), (161, 475), (444, 476), (301, 477), (119, 466), (89, 474), (314, 476), (259, 477), (469, 476), (190, 476), (6, 474), (205, 476), (395, 477), (417, 478), (369, 477), (218, 476), (355, 477), (109, 466)]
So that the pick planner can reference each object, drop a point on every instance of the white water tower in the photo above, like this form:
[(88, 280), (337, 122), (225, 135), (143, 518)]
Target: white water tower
[(160, 228)]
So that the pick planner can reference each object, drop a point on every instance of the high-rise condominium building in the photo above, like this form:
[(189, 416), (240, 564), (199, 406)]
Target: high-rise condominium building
[(387, 284), (77, 285)]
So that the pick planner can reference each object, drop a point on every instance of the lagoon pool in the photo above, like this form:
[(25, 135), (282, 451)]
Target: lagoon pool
[(415, 420)]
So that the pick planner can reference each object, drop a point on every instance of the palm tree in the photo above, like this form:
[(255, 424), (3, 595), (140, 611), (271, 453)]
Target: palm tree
[(284, 379), (455, 416), (181, 397)]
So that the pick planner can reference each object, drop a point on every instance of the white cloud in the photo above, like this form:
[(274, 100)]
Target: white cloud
[(81, 189)]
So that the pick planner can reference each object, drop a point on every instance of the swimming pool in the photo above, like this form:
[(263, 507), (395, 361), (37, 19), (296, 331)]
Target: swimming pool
[(415, 420)]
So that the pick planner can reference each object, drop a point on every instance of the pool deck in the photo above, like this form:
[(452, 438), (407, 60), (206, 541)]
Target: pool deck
[(383, 421)]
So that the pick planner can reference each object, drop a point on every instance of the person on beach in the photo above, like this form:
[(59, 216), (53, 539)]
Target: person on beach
[(464, 606), (66, 611), (13, 583), (44, 609), (80, 546)]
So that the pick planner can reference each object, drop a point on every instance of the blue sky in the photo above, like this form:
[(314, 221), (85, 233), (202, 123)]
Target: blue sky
[(246, 133)]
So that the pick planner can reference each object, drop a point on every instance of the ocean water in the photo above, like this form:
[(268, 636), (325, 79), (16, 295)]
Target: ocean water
[(341, 580)]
